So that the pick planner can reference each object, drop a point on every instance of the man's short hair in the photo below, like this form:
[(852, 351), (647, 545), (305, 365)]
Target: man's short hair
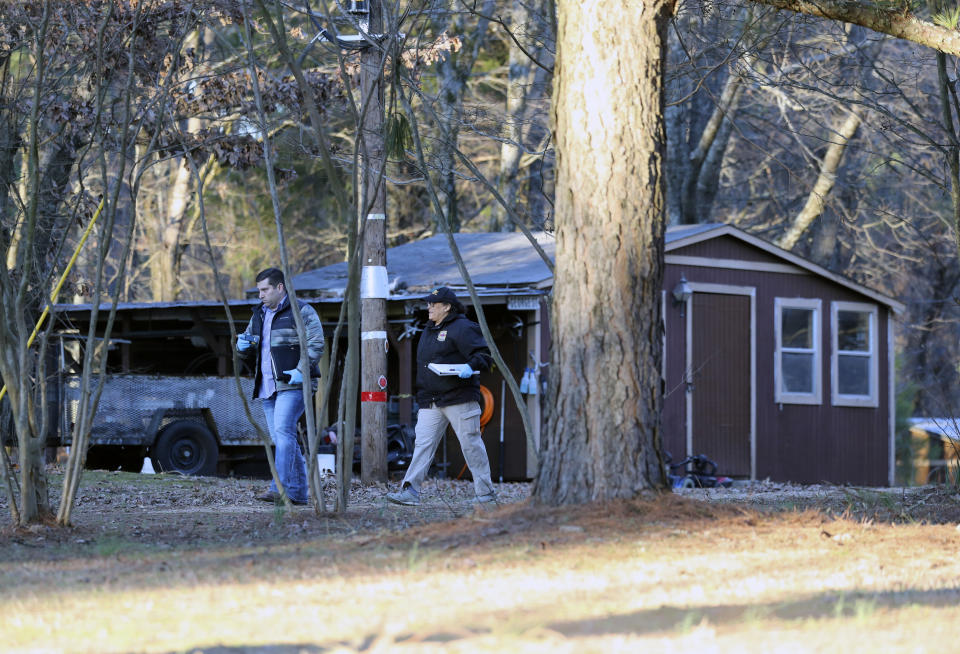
[(272, 275)]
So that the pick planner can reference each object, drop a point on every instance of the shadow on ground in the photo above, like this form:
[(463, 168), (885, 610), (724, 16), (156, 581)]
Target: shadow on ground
[(826, 605)]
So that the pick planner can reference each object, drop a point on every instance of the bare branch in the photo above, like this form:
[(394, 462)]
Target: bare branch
[(886, 21)]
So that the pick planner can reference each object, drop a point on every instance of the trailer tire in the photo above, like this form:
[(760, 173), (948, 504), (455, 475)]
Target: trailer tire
[(186, 447)]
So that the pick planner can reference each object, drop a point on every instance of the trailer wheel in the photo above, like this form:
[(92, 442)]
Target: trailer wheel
[(186, 447)]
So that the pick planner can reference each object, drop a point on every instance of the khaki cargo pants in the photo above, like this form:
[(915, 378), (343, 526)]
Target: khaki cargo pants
[(431, 425)]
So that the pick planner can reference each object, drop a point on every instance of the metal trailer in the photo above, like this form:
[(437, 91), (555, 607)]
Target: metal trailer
[(191, 425)]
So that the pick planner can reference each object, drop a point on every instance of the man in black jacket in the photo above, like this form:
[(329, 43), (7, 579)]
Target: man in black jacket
[(271, 340), (448, 338)]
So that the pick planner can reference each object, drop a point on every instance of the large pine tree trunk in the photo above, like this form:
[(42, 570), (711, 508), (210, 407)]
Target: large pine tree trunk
[(603, 430)]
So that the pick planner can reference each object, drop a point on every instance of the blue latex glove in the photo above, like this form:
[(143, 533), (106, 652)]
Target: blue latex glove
[(467, 371), (242, 343), (295, 376)]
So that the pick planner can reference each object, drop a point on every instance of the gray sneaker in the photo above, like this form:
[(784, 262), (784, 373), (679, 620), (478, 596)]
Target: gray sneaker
[(488, 499), (405, 496)]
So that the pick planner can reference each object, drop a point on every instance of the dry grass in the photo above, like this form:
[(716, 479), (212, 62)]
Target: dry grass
[(156, 565)]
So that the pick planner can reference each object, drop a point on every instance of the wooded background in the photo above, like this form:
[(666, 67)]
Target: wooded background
[(830, 139)]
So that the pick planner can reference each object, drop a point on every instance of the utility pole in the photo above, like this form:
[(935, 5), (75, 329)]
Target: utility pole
[(372, 217), (374, 286)]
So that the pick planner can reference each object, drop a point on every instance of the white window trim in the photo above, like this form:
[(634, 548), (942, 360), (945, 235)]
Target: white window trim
[(781, 397), (871, 400)]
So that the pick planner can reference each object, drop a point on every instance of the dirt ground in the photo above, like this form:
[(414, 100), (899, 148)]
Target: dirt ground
[(158, 563)]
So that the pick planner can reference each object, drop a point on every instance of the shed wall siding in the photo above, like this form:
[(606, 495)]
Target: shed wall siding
[(727, 247), (800, 443)]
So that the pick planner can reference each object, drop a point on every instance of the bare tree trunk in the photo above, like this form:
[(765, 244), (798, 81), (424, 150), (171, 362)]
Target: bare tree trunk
[(348, 395), (892, 20), (18, 364), (452, 86), (167, 232), (678, 159), (34, 499), (57, 167), (9, 145), (832, 159), (603, 427), (949, 106), (708, 182), (170, 223), (453, 72), (520, 79), (712, 139), (540, 186)]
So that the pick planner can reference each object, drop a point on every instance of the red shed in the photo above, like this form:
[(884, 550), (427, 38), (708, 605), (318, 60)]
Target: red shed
[(774, 366)]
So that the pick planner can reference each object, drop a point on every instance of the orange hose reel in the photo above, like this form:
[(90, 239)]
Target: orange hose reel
[(487, 406)]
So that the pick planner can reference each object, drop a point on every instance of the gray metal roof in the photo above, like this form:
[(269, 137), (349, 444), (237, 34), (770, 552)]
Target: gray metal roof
[(493, 259), (136, 306), (948, 427), (678, 232)]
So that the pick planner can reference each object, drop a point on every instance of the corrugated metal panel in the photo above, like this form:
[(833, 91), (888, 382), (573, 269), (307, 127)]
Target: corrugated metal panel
[(496, 259), (129, 402)]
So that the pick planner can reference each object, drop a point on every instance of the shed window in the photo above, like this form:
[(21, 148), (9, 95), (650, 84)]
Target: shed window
[(854, 364), (797, 362)]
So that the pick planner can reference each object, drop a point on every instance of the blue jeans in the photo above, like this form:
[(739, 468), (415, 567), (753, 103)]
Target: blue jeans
[(282, 410)]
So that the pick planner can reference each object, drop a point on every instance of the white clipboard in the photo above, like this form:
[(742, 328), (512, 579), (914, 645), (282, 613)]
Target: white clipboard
[(446, 369)]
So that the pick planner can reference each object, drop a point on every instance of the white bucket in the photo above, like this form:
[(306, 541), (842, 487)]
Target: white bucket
[(327, 463)]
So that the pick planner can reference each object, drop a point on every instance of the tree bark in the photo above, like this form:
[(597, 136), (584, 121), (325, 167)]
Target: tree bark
[(603, 428)]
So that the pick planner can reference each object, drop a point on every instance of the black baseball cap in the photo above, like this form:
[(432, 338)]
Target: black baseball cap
[(442, 294)]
